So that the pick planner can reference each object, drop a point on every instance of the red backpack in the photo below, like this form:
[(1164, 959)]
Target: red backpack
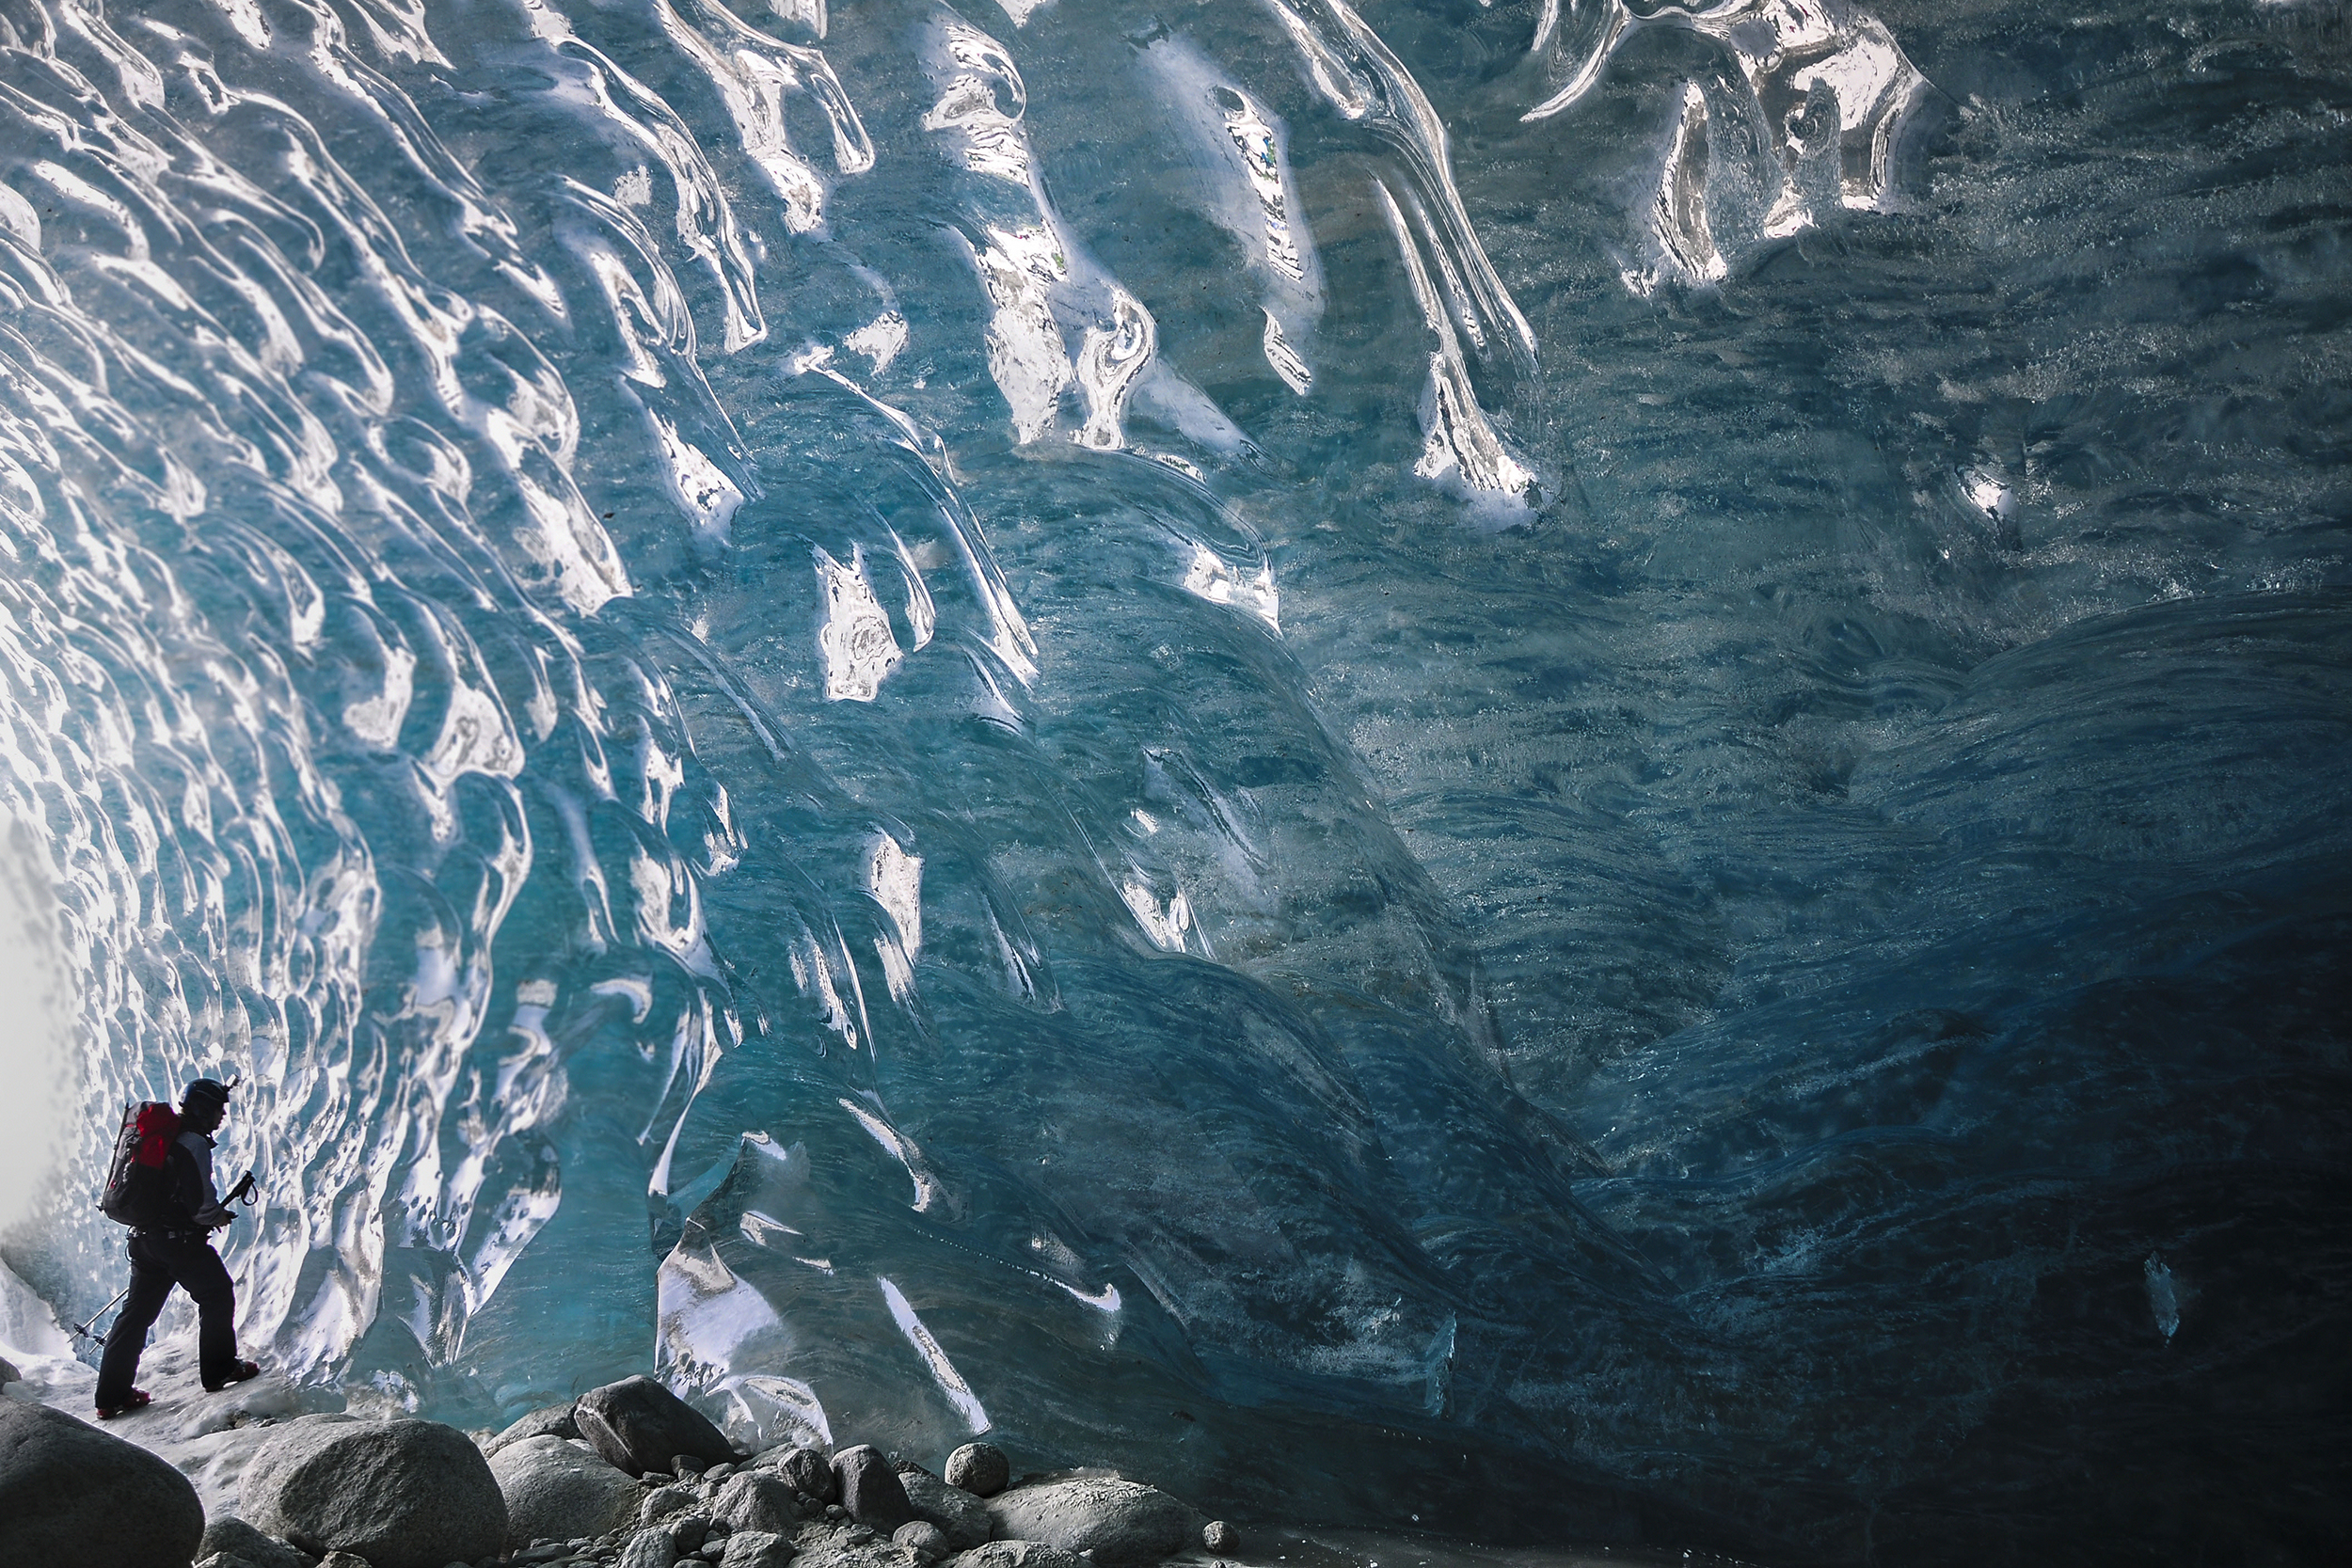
[(138, 1191)]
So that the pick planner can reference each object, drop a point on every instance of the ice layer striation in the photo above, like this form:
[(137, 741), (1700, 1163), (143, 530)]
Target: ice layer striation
[(1572, 770)]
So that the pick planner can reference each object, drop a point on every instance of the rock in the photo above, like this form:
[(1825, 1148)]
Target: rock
[(638, 1425), (8, 1373), (688, 1531), (923, 1538), (554, 1488), (870, 1490), (1016, 1554), (959, 1515), (347, 1559), (979, 1468), (753, 1548), (70, 1493), (1218, 1536), (400, 1493), (755, 1499), (249, 1545), (663, 1501), (554, 1421), (649, 1548), (810, 1472), (1121, 1523), (718, 1472), (686, 1466)]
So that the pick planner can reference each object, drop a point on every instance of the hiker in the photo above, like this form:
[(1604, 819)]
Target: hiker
[(179, 1251)]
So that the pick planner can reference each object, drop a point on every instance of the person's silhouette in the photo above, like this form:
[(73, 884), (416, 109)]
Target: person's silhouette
[(180, 1254)]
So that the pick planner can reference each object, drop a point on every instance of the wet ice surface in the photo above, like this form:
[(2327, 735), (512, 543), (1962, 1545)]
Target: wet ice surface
[(1578, 769)]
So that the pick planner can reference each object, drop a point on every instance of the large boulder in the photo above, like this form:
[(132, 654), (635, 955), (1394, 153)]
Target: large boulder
[(1121, 1523), (961, 1517), (753, 1548), (554, 1421), (649, 1548), (807, 1471), (557, 1491), (400, 1494), (70, 1493), (1015, 1554), (870, 1489), (755, 1499), (690, 1530), (639, 1426), (979, 1468), (248, 1545), (924, 1539)]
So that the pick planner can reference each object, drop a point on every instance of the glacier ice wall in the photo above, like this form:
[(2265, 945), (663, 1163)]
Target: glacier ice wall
[(1576, 767)]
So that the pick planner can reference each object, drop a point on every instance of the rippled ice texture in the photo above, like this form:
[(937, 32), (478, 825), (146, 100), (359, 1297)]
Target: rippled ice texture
[(1577, 768)]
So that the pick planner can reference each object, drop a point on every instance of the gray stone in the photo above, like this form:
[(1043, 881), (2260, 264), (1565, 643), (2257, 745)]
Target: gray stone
[(923, 1538), (554, 1488), (345, 1559), (689, 1530), (1121, 1523), (959, 1515), (663, 1501), (755, 1499), (554, 1421), (240, 1540), (807, 1471), (70, 1493), (638, 1425), (719, 1472), (8, 1373), (753, 1548), (400, 1493), (649, 1548), (979, 1468), (1016, 1554), (686, 1466), (223, 1560), (870, 1490), (1218, 1536)]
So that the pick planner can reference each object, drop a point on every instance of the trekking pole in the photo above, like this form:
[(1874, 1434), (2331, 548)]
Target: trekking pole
[(84, 1328)]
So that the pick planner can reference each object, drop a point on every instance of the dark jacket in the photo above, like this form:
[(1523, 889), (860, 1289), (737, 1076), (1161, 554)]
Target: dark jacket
[(188, 1172)]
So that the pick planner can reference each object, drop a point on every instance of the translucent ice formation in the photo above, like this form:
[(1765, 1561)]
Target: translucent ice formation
[(1257, 741)]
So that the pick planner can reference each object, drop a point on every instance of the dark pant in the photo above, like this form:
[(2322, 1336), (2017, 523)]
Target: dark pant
[(158, 1263)]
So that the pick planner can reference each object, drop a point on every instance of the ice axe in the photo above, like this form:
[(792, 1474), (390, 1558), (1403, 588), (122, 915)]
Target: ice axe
[(83, 1329)]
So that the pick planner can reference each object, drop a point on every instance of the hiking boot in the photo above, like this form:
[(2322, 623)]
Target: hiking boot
[(237, 1373), (137, 1399)]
